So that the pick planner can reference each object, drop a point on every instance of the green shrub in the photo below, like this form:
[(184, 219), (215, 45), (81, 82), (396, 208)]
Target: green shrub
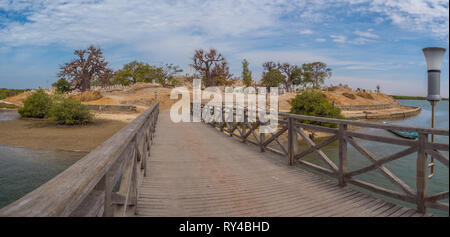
[(69, 111), (62, 85), (36, 105), (314, 103)]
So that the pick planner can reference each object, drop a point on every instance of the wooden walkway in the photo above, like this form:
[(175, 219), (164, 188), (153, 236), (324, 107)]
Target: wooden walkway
[(195, 171)]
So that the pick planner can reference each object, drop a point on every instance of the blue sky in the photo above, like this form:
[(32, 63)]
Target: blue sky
[(366, 43)]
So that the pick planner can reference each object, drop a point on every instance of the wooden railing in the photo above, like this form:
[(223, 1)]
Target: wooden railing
[(103, 183), (289, 123)]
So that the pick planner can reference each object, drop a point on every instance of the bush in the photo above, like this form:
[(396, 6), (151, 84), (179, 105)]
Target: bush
[(36, 105), (69, 111), (62, 85), (314, 103), (349, 95)]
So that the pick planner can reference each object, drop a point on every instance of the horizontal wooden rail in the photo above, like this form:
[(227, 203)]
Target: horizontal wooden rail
[(430, 131), (87, 187), (292, 125)]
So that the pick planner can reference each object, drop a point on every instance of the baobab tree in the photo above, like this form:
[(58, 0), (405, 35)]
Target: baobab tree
[(210, 64), (90, 65)]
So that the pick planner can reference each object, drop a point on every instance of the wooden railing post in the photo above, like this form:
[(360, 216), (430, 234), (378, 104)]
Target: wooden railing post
[(244, 124), (262, 137), (107, 209), (292, 141), (342, 155), (421, 173), (222, 123)]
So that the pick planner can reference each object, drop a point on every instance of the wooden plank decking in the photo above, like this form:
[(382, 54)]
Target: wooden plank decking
[(195, 171)]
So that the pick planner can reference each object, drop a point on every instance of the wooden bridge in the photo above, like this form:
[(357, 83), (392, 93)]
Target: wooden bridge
[(190, 169)]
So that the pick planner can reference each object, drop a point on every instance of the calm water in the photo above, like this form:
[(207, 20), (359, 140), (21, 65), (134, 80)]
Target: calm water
[(404, 168), (24, 169), (8, 115)]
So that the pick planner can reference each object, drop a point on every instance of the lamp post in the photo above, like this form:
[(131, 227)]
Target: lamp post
[(434, 57)]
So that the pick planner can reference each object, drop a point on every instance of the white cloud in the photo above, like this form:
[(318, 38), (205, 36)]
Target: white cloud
[(361, 40), (76, 23), (415, 15), (306, 32), (111, 21), (339, 38), (321, 40), (365, 37), (367, 34)]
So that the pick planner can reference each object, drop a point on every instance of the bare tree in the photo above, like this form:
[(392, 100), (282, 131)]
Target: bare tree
[(211, 64), (90, 65), (269, 66)]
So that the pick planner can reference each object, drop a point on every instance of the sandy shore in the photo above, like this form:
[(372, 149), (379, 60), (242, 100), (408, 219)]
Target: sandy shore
[(46, 134), (390, 113)]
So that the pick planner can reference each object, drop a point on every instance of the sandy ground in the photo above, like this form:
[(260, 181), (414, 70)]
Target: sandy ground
[(46, 134), (378, 113), (122, 117), (336, 94), (18, 99)]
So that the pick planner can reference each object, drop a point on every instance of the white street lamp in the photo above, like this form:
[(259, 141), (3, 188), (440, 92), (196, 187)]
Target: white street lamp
[(434, 57)]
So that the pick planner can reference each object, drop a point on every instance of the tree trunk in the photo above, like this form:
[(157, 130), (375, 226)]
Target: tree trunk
[(86, 84), (289, 86), (209, 79)]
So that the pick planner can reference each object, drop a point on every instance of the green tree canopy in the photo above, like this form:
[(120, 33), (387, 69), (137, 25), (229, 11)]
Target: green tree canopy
[(273, 78), (157, 74), (315, 73), (143, 72), (136, 71), (297, 77), (246, 74), (62, 85)]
